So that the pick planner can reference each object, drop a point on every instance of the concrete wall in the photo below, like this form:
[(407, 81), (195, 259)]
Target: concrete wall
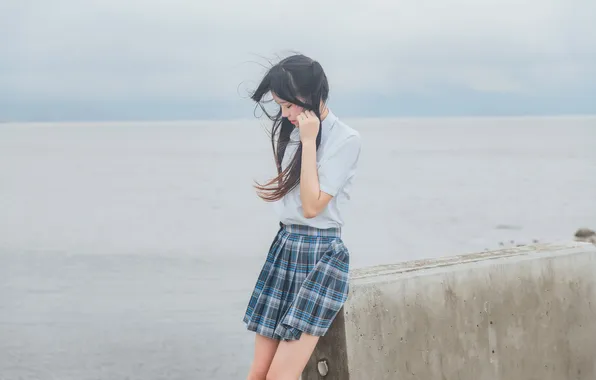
[(516, 314)]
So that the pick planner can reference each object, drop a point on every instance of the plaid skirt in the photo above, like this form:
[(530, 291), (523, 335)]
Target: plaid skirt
[(302, 285)]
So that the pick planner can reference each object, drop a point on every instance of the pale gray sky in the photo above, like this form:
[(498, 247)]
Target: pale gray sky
[(114, 59)]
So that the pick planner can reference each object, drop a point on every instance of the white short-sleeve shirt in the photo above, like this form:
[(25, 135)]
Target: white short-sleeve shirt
[(337, 160)]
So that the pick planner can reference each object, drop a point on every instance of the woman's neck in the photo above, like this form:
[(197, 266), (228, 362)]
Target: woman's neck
[(324, 113)]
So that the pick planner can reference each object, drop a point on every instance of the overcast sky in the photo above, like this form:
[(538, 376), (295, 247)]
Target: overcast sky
[(189, 59)]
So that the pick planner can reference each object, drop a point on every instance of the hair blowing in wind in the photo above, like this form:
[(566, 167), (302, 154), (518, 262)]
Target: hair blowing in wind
[(301, 81)]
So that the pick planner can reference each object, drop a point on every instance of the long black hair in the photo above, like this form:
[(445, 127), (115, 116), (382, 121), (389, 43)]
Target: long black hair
[(299, 80)]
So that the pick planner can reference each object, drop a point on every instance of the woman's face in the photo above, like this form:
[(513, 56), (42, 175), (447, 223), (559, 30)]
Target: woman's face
[(288, 110)]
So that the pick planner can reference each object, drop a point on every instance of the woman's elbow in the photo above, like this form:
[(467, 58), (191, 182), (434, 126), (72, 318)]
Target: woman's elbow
[(309, 213)]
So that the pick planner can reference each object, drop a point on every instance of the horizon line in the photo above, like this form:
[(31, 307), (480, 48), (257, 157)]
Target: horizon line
[(248, 119)]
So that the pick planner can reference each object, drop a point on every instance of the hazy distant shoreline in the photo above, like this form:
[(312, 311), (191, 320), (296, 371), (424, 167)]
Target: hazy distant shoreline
[(252, 120)]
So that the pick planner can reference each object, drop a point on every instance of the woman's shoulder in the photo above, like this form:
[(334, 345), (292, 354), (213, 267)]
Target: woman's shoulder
[(343, 143), (343, 135)]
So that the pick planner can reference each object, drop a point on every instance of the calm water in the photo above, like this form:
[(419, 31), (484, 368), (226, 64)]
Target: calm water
[(128, 251)]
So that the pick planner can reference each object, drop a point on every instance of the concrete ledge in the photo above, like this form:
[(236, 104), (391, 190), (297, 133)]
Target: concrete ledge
[(521, 313)]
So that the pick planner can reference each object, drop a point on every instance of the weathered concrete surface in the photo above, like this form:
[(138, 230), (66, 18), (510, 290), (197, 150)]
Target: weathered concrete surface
[(523, 313)]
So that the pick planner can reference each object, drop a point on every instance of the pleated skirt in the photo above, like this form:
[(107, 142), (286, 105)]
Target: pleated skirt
[(302, 285)]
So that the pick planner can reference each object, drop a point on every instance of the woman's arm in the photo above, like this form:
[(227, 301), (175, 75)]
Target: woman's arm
[(313, 199), (320, 182)]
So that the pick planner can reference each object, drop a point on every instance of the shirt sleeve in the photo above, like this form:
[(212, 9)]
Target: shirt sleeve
[(339, 165)]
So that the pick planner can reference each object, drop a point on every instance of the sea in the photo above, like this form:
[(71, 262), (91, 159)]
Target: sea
[(129, 250)]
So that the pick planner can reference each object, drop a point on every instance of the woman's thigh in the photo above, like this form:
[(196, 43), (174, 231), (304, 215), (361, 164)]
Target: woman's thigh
[(265, 349), (291, 357)]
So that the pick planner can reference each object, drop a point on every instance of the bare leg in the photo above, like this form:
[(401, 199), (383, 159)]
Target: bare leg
[(291, 358), (264, 351)]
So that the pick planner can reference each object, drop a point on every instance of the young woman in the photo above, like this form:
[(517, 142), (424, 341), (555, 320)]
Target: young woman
[(304, 281)]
